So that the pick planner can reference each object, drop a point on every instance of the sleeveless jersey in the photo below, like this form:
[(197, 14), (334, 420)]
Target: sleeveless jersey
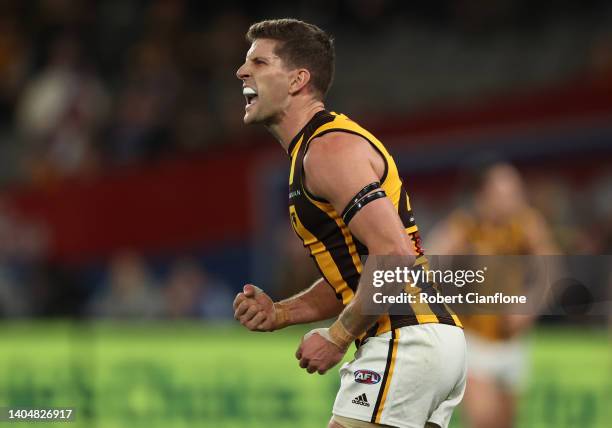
[(487, 238), (336, 252)]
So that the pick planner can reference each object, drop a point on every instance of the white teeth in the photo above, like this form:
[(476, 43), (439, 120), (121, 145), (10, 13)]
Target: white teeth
[(248, 91)]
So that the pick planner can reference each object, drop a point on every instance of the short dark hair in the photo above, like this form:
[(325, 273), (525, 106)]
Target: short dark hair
[(302, 45)]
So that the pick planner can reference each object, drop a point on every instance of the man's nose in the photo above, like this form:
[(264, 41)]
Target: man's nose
[(242, 73)]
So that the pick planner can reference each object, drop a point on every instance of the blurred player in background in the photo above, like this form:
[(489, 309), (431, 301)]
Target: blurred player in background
[(497, 221), (346, 201)]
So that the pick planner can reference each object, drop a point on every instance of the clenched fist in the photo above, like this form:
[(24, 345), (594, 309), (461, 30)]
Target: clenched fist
[(255, 310), (317, 351)]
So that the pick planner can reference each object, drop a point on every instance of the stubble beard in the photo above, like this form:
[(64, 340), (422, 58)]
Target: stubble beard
[(267, 120)]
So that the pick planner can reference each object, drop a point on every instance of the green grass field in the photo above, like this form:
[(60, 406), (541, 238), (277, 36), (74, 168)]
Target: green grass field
[(197, 375)]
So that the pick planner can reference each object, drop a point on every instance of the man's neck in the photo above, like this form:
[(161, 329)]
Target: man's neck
[(293, 121)]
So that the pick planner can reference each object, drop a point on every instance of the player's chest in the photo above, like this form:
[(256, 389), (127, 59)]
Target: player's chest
[(310, 222)]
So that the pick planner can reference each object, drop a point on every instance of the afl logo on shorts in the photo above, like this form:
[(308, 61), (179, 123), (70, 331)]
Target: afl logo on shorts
[(367, 376)]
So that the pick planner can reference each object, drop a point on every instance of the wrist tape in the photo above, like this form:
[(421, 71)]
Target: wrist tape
[(282, 315), (340, 336)]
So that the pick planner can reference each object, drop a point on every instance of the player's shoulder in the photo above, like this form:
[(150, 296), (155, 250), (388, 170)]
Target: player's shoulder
[(339, 145), (531, 217), (461, 217), (342, 122), (337, 148), (341, 136)]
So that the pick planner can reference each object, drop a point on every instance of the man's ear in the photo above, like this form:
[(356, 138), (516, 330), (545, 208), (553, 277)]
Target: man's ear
[(299, 79)]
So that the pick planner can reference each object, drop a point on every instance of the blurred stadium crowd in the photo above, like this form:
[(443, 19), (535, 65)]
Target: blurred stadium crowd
[(88, 88), (87, 85), (129, 289)]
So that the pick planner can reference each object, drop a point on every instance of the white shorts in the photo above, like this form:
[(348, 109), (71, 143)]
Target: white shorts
[(505, 361), (405, 378)]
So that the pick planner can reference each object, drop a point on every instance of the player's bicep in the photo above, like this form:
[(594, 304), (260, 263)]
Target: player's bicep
[(380, 228), (343, 171)]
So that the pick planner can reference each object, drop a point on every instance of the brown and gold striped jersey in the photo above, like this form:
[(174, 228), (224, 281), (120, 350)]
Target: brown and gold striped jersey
[(484, 237), (337, 253)]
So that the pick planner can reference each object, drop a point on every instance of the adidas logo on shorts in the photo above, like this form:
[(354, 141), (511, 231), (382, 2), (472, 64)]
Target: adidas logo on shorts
[(362, 400)]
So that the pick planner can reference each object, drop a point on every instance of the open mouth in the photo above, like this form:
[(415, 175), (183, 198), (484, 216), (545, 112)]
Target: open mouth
[(250, 95)]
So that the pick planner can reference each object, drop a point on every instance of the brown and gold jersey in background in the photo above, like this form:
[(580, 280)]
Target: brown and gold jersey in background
[(484, 237)]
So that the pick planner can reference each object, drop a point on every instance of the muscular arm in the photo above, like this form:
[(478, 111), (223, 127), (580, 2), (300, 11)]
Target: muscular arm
[(337, 166), (316, 303), (256, 311)]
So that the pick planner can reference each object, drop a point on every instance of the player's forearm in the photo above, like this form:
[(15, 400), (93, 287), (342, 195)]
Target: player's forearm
[(361, 313), (316, 303), (353, 319)]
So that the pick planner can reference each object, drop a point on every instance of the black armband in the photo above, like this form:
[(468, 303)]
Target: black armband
[(367, 189), (361, 199)]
